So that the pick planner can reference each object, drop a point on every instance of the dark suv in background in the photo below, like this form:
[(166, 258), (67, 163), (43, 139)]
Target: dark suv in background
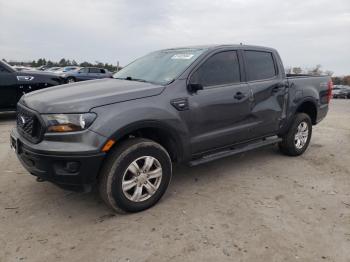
[(341, 91), (13, 84), (85, 73)]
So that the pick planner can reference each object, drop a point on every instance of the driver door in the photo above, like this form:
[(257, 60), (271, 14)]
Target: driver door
[(83, 74), (220, 112)]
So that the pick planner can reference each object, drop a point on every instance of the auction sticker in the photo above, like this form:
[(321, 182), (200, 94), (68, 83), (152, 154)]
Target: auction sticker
[(182, 56)]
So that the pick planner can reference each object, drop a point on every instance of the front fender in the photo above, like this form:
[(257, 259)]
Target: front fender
[(117, 120)]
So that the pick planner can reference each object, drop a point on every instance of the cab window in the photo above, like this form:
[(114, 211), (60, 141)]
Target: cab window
[(260, 65), (84, 70), (94, 71), (220, 69)]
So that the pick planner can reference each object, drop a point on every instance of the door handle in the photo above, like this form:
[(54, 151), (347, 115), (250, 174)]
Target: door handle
[(278, 87), (239, 95)]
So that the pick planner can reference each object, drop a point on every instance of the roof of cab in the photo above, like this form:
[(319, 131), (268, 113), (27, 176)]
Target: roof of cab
[(214, 47)]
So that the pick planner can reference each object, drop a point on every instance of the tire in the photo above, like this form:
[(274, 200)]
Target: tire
[(120, 169), (70, 80), (289, 144)]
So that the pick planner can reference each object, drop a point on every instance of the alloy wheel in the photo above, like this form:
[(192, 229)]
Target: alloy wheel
[(142, 178), (301, 135)]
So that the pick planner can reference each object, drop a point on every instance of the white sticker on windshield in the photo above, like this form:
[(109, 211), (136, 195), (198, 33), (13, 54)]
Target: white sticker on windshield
[(182, 56)]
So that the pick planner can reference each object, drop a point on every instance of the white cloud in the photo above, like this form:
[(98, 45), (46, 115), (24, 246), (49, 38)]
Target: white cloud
[(306, 32)]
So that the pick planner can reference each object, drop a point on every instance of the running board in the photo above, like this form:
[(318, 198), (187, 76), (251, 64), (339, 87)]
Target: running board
[(234, 151)]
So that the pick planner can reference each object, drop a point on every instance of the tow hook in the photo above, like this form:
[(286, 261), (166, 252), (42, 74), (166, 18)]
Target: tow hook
[(39, 179)]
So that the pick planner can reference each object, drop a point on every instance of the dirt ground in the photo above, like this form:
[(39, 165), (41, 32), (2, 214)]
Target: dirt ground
[(259, 206)]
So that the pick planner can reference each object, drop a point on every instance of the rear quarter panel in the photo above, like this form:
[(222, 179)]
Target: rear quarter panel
[(309, 89)]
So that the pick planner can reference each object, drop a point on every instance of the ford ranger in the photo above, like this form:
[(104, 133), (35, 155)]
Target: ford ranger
[(182, 105)]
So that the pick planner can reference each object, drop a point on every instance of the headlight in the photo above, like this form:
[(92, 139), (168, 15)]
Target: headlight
[(68, 122)]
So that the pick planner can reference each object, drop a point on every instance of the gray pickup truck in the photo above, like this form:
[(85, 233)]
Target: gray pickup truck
[(182, 105)]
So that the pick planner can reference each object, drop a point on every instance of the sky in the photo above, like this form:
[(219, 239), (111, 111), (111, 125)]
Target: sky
[(305, 32)]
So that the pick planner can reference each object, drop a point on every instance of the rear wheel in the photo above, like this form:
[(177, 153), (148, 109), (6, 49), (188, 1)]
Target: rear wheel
[(135, 176), (297, 139)]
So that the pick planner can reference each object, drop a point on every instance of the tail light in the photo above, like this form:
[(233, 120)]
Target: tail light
[(330, 88)]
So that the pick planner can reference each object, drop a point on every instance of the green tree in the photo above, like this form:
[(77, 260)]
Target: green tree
[(346, 80), (316, 70), (62, 62), (297, 70), (329, 72)]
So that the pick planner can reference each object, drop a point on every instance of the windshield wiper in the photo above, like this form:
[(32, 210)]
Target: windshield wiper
[(132, 79)]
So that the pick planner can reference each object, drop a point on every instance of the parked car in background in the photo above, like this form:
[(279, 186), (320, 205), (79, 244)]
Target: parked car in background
[(340, 91), (13, 84), (86, 73), (43, 67), (66, 69), (53, 69)]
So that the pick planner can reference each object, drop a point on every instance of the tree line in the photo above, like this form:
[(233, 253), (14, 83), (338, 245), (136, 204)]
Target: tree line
[(316, 70), (341, 80), (66, 62)]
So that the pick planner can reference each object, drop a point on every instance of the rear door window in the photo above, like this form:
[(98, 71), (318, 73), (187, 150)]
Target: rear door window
[(84, 70), (220, 69), (94, 71), (260, 65)]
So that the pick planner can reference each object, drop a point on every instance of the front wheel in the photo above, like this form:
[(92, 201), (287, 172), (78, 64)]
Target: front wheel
[(297, 139), (135, 175), (70, 80)]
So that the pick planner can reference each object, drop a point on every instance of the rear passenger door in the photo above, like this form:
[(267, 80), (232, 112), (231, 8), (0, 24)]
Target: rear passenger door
[(102, 73), (219, 114), (268, 91), (94, 73)]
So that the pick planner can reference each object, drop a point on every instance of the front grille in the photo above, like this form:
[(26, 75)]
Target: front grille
[(28, 124)]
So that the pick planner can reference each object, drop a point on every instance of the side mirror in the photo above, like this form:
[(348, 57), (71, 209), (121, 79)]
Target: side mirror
[(193, 88)]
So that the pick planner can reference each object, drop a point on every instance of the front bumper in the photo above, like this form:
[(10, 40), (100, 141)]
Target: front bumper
[(76, 171)]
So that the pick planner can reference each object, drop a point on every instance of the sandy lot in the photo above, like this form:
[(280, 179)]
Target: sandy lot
[(259, 206)]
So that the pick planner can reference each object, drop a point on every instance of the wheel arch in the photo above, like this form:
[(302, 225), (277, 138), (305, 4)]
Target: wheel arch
[(72, 77), (157, 131), (309, 107)]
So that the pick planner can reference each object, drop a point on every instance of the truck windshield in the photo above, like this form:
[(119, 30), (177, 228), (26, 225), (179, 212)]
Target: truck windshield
[(160, 67)]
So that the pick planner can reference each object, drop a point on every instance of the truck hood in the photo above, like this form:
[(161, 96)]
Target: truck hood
[(82, 96)]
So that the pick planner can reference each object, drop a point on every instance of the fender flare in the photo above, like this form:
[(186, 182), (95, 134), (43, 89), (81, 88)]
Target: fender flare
[(294, 110), (177, 138), (308, 99)]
